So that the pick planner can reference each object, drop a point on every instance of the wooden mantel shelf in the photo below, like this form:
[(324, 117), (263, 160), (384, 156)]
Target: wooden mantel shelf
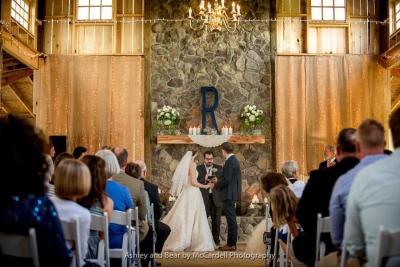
[(185, 139)]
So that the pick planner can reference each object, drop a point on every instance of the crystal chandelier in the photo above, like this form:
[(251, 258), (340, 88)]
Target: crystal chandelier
[(215, 16)]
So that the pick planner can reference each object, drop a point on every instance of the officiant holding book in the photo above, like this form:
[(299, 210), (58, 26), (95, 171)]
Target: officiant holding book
[(207, 171)]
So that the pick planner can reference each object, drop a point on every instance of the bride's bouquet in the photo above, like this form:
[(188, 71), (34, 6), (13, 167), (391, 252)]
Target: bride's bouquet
[(252, 117), (168, 117)]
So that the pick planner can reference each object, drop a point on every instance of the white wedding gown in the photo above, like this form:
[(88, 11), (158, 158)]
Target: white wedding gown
[(188, 221)]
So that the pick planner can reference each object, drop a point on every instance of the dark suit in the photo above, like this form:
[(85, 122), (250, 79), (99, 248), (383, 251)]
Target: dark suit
[(324, 164), (162, 229), (230, 189), (315, 199), (212, 202)]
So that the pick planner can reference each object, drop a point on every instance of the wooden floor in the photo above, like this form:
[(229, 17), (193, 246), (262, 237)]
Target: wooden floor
[(207, 259)]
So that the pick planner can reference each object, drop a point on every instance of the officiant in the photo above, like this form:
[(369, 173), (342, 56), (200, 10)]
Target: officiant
[(212, 202)]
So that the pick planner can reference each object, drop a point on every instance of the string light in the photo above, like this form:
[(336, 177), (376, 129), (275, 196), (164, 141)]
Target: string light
[(142, 20)]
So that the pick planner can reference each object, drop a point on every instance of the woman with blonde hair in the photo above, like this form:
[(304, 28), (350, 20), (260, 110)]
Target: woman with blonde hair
[(73, 181), (283, 205)]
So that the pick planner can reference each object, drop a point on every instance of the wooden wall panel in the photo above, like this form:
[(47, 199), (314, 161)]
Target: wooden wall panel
[(359, 34), (119, 36), (289, 36), (327, 40)]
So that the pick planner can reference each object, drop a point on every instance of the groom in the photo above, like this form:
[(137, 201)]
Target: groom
[(230, 188)]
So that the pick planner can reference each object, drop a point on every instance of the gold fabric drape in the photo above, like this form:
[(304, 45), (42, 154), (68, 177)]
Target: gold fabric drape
[(93, 100), (316, 96)]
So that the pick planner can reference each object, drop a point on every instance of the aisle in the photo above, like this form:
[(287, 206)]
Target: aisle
[(217, 258)]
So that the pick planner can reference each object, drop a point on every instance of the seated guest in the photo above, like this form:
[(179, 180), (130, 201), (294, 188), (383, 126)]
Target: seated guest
[(119, 195), (329, 157), (255, 243), (135, 186), (72, 181), (283, 206), (374, 201), (136, 189), (316, 196), (161, 229), (271, 180), (97, 200), (49, 176), (79, 152), (58, 159), (289, 169), (23, 202), (370, 148)]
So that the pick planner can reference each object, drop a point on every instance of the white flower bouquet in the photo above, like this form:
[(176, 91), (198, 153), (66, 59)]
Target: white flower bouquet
[(252, 117), (168, 117)]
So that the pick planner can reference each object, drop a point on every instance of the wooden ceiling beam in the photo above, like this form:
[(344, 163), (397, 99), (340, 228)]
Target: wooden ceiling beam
[(20, 100), (13, 76), (19, 50), (395, 72)]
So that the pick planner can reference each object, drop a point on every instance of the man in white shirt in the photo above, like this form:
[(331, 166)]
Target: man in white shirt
[(374, 201)]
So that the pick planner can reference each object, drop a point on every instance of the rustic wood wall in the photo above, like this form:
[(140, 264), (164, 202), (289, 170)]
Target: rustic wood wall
[(121, 35)]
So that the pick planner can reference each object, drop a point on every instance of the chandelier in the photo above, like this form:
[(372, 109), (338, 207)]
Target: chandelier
[(215, 16)]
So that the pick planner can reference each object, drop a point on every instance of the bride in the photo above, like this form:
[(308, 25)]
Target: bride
[(187, 218)]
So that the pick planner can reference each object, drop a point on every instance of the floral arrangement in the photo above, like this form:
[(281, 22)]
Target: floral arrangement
[(168, 117), (252, 117)]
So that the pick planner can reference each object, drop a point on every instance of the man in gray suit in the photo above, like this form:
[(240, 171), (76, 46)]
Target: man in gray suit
[(229, 188), (212, 203), (136, 188)]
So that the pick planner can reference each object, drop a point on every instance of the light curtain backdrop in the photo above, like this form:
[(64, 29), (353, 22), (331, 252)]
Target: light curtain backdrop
[(93, 100), (316, 96)]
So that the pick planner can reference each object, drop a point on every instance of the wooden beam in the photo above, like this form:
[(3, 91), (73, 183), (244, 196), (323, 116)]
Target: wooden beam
[(19, 50), (19, 98), (234, 139), (13, 76), (4, 109), (396, 104), (395, 72)]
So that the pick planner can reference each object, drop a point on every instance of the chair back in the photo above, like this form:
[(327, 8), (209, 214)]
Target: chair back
[(323, 226), (21, 246), (71, 233), (153, 224), (135, 218), (100, 223), (388, 245)]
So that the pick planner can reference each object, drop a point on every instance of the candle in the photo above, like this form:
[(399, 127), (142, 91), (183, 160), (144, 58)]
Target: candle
[(233, 7), (209, 7), (190, 13), (230, 130), (202, 4), (223, 3), (190, 130), (265, 200), (238, 9), (255, 199)]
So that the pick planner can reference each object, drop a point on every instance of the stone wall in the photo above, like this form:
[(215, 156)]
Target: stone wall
[(180, 61)]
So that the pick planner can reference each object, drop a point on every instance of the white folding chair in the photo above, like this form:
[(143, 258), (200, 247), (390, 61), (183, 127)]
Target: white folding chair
[(323, 226), (71, 234), (100, 223), (21, 246), (135, 219), (276, 244), (388, 245), (123, 218), (153, 225)]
